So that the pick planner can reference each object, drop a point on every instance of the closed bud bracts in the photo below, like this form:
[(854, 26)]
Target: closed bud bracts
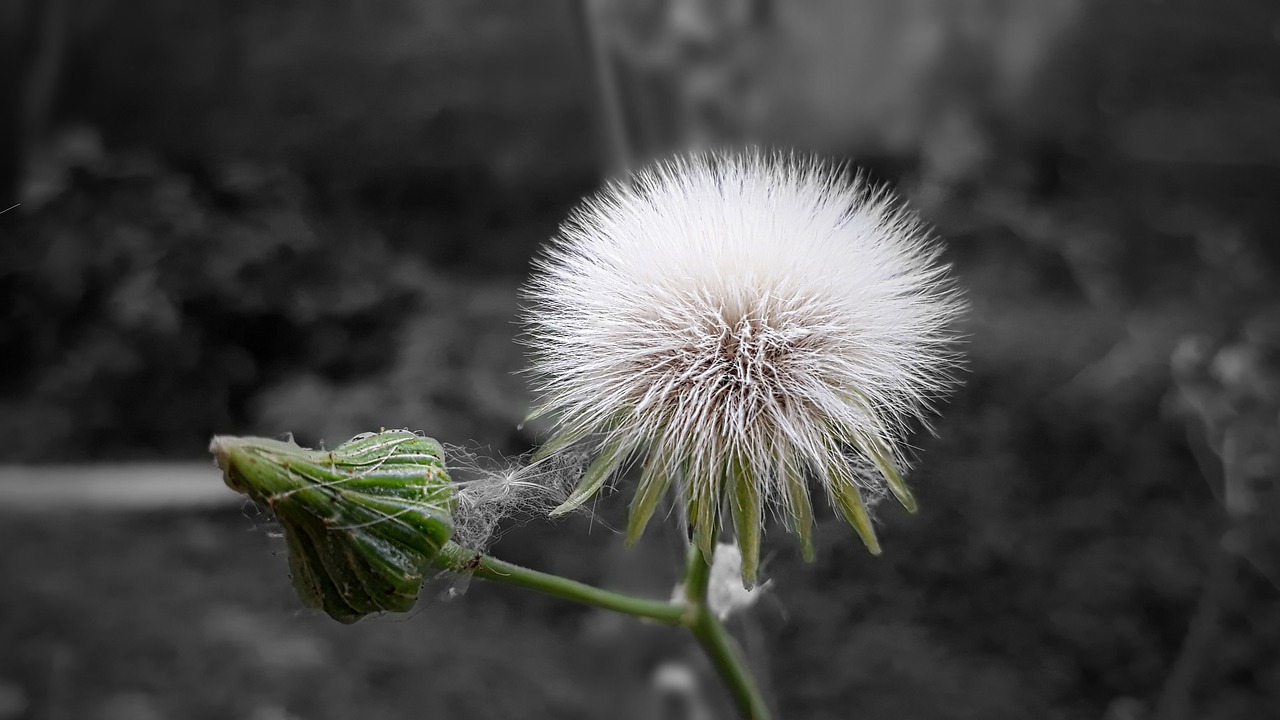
[(362, 521)]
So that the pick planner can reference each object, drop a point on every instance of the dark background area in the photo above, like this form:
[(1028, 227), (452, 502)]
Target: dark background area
[(313, 218)]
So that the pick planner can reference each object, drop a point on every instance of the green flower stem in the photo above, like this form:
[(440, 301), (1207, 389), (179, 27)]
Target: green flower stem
[(697, 575), (716, 641), (350, 561), (721, 648), (692, 613), (455, 558)]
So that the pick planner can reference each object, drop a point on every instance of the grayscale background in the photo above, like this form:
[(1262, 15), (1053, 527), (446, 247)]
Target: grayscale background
[(313, 217)]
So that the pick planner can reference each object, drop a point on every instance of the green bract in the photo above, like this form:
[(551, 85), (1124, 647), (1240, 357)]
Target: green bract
[(362, 521)]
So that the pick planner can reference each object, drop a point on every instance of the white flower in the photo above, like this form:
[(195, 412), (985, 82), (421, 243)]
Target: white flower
[(747, 322)]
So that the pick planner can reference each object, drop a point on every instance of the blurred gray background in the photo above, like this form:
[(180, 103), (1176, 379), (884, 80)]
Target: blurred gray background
[(269, 217)]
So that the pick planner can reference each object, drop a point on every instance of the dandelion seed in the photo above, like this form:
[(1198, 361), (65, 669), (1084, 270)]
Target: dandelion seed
[(491, 491), (747, 323)]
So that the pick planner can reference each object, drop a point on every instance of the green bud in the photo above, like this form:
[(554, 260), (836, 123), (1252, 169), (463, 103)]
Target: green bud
[(362, 522)]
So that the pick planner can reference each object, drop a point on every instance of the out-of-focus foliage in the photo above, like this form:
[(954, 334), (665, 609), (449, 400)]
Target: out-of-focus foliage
[(1231, 397), (114, 634), (347, 89), (148, 307), (137, 289), (885, 78), (1105, 175)]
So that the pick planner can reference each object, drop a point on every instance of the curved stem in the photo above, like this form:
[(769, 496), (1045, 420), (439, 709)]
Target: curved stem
[(693, 613), (697, 575), (716, 641), (723, 651), (455, 558)]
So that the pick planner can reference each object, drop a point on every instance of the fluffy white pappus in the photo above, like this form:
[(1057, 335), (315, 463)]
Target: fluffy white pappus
[(748, 322), (490, 491)]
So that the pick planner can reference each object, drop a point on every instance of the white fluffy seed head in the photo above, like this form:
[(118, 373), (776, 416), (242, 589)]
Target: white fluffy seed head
[(747, 322)]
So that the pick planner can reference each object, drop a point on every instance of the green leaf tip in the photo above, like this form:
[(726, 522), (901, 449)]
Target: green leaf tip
[(654, 480), (849, 503), (611, 456), (704, 514), (745, 507), (558, 442), (362, 522), (883, 460), (801, 510)]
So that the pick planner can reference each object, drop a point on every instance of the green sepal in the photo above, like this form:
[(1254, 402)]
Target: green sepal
[(536, 412), (704, 513), (801, 508), (871, 445), (849, 503), (654, 481), (883, 460), (611, 455), (356, 561), (311, 582), (744, 504), (362, 522), (560, 441)]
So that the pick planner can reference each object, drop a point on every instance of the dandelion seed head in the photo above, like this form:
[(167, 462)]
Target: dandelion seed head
[(746, 322)]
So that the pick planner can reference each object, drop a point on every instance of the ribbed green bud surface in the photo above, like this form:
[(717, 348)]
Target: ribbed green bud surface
[(362, 521)]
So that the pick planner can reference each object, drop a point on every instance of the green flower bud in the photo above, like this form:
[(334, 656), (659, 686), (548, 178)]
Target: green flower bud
[(362, 521)]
